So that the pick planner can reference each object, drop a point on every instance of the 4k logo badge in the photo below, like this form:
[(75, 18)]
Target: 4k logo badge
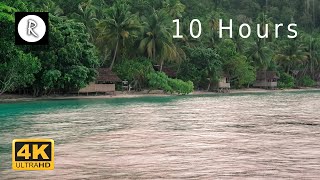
[(33, 154)]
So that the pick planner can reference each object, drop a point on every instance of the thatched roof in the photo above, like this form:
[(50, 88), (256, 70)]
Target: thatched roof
[(226, 75), (167, 70), (170, 72), (266, 75), (106, 75)]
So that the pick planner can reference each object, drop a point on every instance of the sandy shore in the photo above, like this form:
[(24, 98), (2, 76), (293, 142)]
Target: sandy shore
[(13, 97)]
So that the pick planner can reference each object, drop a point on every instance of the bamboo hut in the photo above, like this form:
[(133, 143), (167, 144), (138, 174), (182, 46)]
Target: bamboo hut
[(105, 83), (266, 79), (223, 84)]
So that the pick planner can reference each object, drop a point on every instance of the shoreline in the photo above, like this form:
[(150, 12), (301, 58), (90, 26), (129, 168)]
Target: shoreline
[(6, 98)]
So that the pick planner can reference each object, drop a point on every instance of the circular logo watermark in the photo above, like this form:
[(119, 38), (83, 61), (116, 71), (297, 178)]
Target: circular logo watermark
[(31, 28)]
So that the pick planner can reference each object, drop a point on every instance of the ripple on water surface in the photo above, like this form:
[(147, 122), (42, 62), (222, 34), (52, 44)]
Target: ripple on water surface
[(274, 135)]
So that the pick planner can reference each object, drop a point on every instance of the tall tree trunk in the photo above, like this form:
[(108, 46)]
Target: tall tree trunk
[(115, 54), (7, 84), (154, 56), (209, 85), (161, 65), (154, 51)]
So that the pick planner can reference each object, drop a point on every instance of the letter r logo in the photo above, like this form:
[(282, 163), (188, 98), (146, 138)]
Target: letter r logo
[(31, 25), (31, 28)]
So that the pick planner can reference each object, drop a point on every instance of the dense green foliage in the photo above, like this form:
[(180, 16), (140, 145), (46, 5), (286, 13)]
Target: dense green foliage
[(235, 64), (205, 63), (69, 62), (17, 68), (286, 81), (135, 71), (307, 81), (159, 80), (86, 34)]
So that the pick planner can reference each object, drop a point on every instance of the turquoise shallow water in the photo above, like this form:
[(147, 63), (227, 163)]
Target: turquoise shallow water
[(263, 136)]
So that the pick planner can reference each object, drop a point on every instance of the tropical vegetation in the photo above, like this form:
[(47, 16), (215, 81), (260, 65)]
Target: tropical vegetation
[(132, 36)]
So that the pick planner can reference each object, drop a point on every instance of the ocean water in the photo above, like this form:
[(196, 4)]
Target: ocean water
[(238, 136)]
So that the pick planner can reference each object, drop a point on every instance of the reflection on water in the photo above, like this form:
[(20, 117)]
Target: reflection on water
[(267, 136)]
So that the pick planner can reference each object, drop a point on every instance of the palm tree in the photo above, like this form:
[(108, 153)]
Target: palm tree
[(217, 3), (120, 25), (313, 48), (213, 36), (87, 15), (157, 42), (263, 19), (292, 54), (314, 55), (174, 8), (260, 54)]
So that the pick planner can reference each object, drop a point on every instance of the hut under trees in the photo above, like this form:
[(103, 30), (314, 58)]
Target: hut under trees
[(105, 82), (266, 79)]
